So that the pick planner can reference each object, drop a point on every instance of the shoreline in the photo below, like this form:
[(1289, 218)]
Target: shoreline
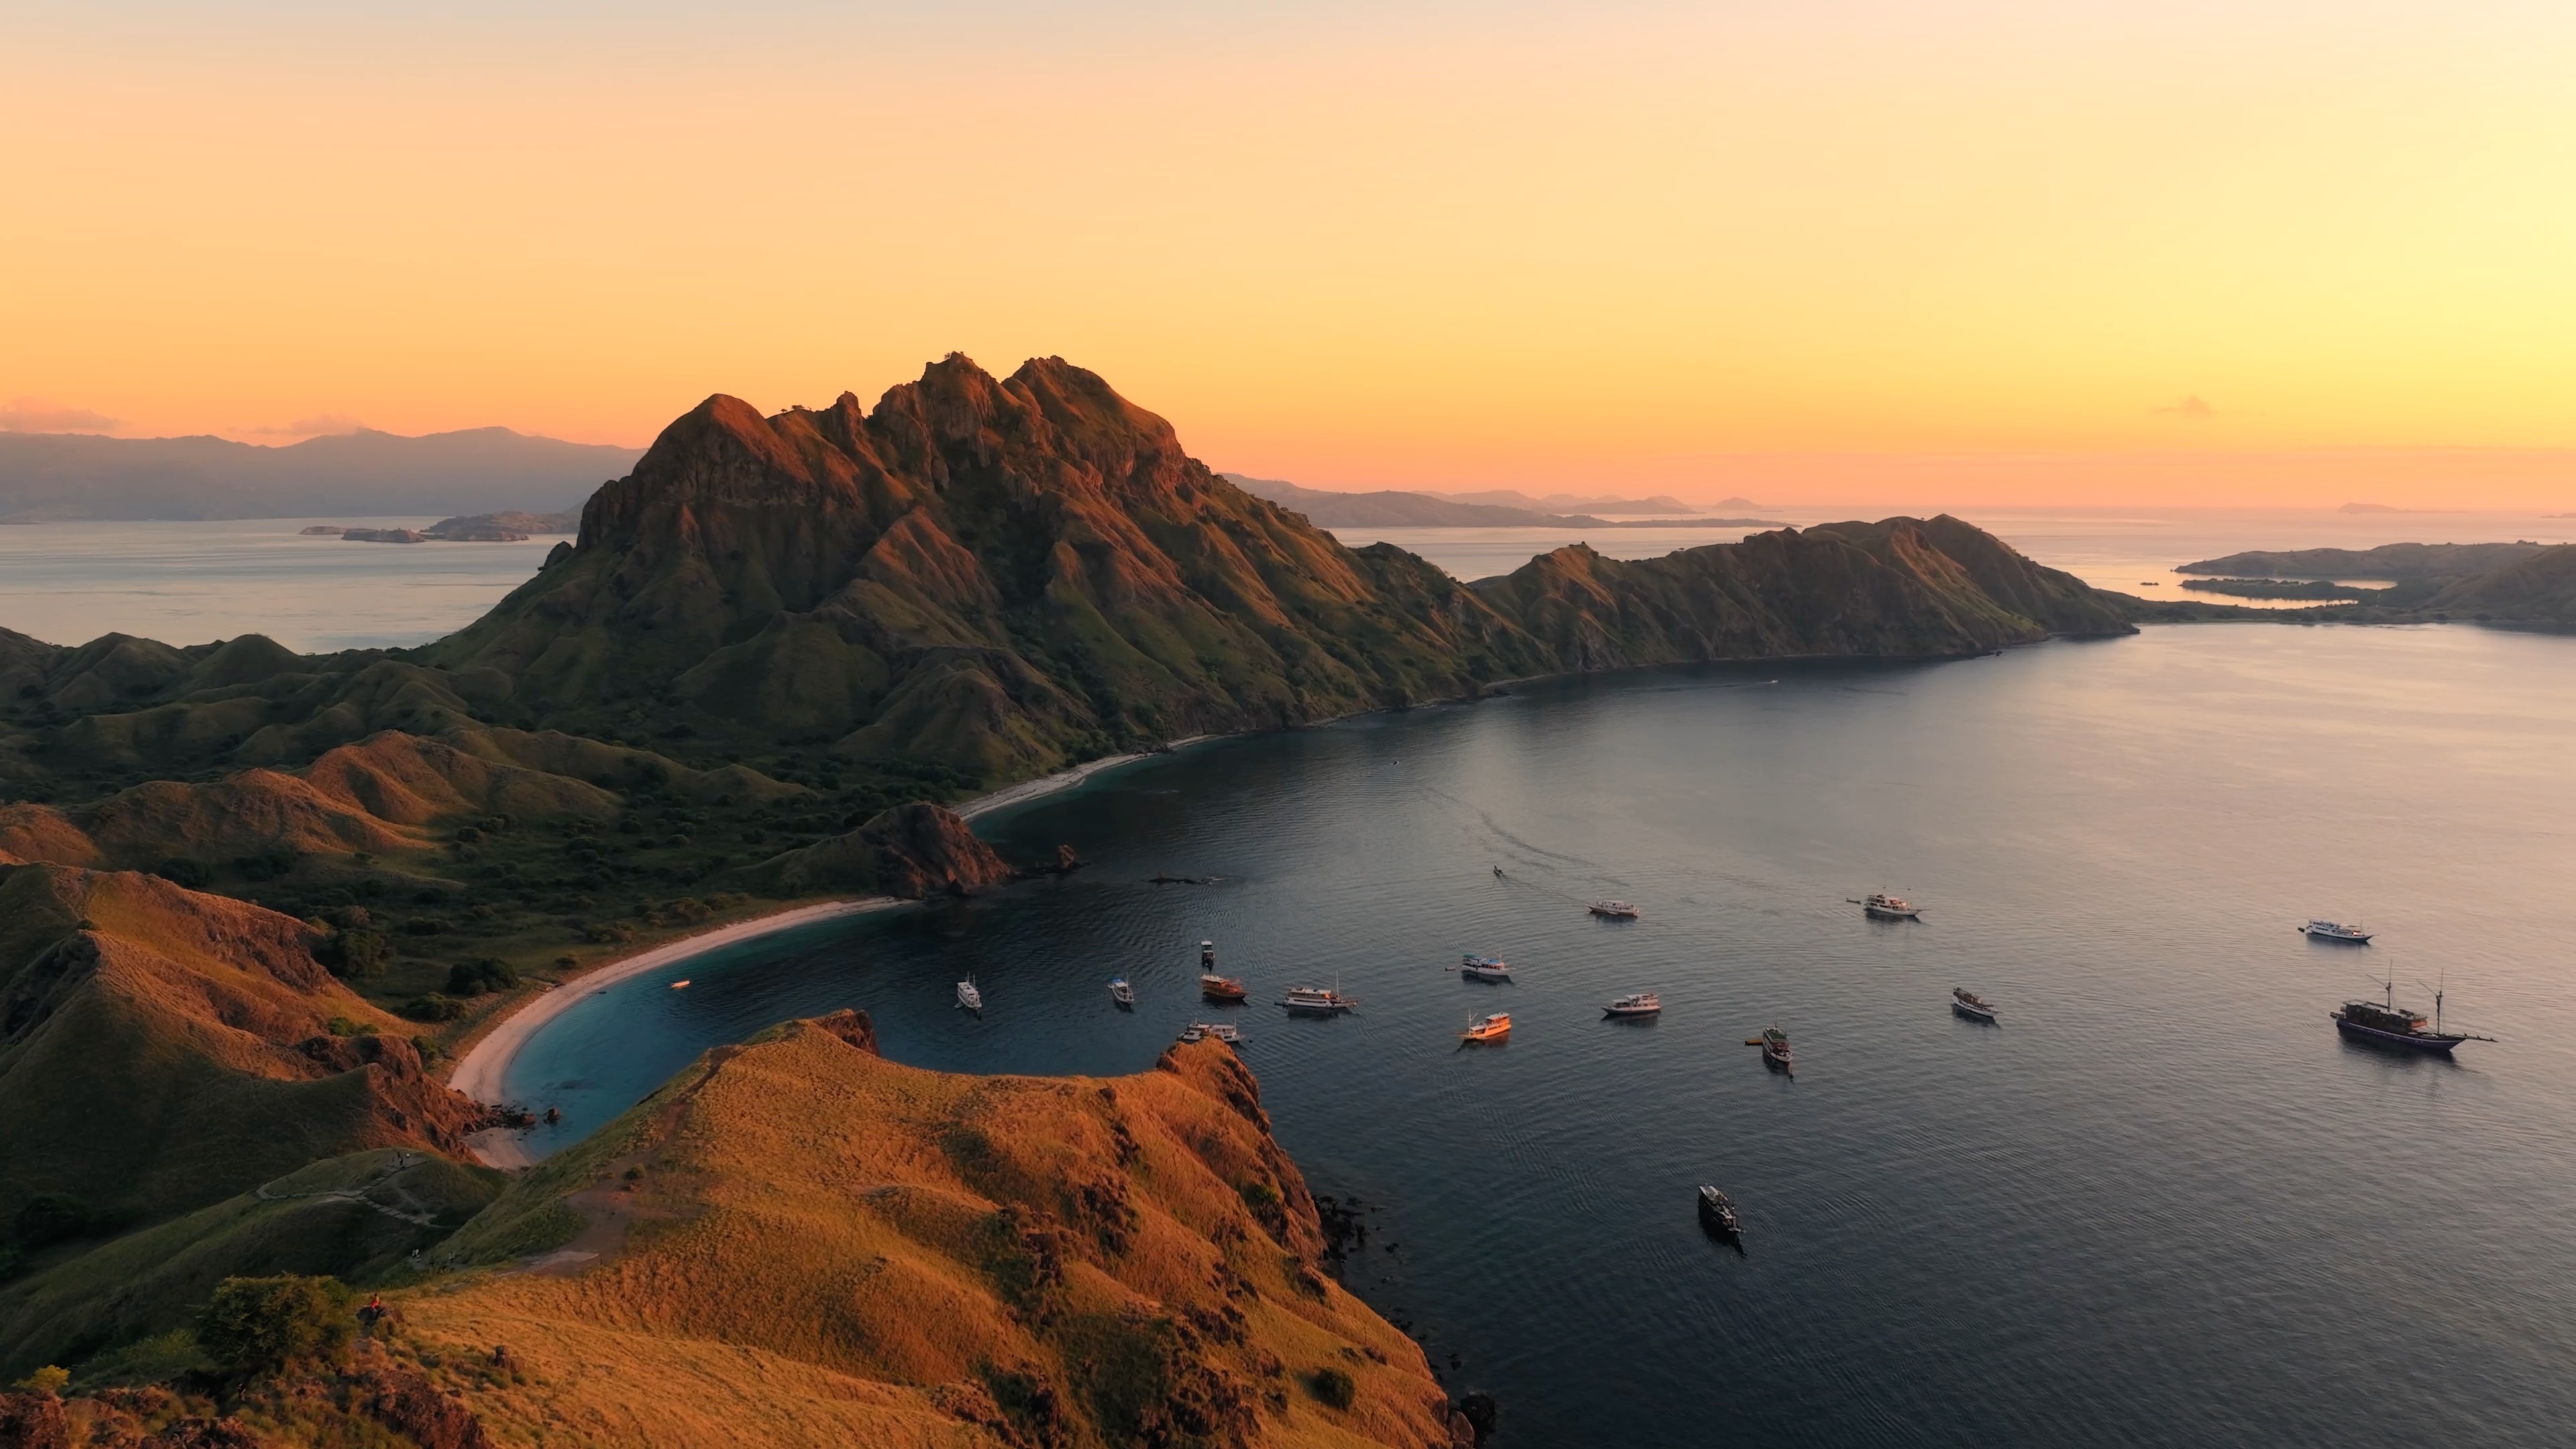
[(1045, 785), (479, 1073)]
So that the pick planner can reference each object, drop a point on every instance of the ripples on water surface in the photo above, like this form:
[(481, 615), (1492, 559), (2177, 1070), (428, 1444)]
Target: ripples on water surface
[(2162, 1204)]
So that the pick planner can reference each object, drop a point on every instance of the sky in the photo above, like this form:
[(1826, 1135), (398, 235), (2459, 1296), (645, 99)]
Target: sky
[(2195, 251)]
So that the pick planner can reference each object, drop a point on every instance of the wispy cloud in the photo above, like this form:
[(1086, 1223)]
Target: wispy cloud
[(35, 415), (2191, 409), (319, 425)]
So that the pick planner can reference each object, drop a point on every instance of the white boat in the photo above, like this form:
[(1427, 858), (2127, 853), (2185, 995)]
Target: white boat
[(1613, 910), (1316, 1000), (1121, 992), (1970, 1004), (968, 997), (1644, 1003), (2336, 931), (1202, 1030), (1885, 907), (1484, 968)]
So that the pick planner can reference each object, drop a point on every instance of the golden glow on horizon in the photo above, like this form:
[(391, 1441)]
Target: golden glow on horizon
[(1651, 249)]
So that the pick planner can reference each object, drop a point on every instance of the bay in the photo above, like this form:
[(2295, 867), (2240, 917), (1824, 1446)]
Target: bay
[(2161, 1204)]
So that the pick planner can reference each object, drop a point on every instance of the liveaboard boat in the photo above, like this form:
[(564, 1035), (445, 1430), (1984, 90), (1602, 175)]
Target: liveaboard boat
[(1220, 988), (1317, 1000), (1970, 1004), (2385, 1023), (2350, 934), (1717, 1212), (1880, 906), (969, 997), (1643, 1003), (1492, 1027), (1613, 910), (1122, 993), (1775, 1049), (1221, 1031), (1484, 968)]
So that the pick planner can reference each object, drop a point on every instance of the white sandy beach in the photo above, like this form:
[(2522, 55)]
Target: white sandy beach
[(1028, 790), (480, 1074)]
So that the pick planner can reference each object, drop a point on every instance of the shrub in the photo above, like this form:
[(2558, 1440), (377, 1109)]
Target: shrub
[(267, 866), (354, 952), (433, 1007), (484, 973), (424, 926), (181, 871), (253, 1324), (50, 1217), (343, 1026), (1333, 1386), (47, 1380)]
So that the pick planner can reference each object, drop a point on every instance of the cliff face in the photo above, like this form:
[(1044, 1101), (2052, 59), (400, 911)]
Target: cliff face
[(798, 1242), (913, 851)]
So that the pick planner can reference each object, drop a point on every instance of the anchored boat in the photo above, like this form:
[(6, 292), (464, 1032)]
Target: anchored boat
[(2385, 1023), (1880, 906), (1484, 968), (1220, 988), (1969, 1004), (970, 998), (1775, 1049), (1316, 1000), (1221, 1031), (1122, 993), (2352, 935), (1613, 910), (1644, 1003), (1490, 1028), (1717, 1213)]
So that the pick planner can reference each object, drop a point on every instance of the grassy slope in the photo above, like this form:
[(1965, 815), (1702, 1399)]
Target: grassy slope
[(817, 1237)]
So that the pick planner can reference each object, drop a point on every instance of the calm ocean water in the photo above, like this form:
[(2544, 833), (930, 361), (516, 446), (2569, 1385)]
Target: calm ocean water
[(2162, 1204)]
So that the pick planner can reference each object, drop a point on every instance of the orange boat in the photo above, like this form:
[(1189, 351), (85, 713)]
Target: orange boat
[(1488, 1028), (1220, 988)]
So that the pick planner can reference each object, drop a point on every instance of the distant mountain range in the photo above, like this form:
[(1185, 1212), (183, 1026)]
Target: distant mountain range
[(1575, 502), (52, 477), (1392, 509)]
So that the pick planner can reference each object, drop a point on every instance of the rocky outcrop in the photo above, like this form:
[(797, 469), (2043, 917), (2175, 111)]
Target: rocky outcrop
[(913, 851)]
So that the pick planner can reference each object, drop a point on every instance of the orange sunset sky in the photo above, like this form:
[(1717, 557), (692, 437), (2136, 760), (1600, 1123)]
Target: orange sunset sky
[(2262, 251)]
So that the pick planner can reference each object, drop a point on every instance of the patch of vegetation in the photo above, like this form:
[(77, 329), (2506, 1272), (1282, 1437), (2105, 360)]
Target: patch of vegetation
[(1332, 1387), (252, 1325)]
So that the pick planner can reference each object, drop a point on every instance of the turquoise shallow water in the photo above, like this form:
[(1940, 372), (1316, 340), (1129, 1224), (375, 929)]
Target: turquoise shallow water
[(2162, 1204)]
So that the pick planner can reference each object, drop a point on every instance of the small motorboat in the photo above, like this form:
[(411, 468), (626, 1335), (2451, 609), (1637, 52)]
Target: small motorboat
[(682, 982), (1775, 1049), (1207, 955), (1317, 1000), (1484, 968), (1203, 1030), (1969, 1004), (970, 998), (1644, 1003), (1492, 1027), (1717, 1213), (1122, 993), (1880, 906), (1613, 910), (2352, 935), (1220, 988)]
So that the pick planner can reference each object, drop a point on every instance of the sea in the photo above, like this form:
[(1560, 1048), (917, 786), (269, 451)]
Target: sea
[(2161, 1203)]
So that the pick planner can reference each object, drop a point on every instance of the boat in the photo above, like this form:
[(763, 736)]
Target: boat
[(1225, 1031), (682, 982), (1970, 1004), (1122, 993), (2351, 934), (1613, 910), (1195, 1031), (1316, 1000), (2385, 1023), (1644, 1003), (1489, 1028), (970, 998), (1207, 955), (1484, 968), (1717, 1212), (1775, 1048), (1880, 906), (1220, 988)]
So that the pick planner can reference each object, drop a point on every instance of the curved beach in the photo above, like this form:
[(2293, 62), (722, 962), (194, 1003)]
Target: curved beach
[(480, 1073)]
